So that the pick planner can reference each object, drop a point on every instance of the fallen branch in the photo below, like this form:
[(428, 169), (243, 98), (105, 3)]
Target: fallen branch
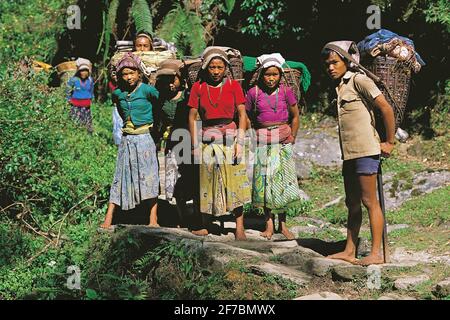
[(40, 233), (330, 204), (39, 253), (68, 212)]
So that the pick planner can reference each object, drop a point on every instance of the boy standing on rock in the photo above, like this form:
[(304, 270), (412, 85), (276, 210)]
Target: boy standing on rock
[(357, 96)]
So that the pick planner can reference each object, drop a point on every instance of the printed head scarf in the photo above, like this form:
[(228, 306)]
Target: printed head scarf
[(270, 60), (129, 60)]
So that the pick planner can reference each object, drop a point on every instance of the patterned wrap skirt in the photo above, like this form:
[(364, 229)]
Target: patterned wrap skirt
[(179, 178), (83, 116), (223, 186), (275, 185), (136, 177)]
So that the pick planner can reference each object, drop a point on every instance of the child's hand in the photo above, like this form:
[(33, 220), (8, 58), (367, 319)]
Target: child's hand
[(386, 149), (291, 139), (196, 153), (237, 154)]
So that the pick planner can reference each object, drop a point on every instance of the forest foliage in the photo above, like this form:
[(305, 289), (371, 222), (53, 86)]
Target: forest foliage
[(55, 177)]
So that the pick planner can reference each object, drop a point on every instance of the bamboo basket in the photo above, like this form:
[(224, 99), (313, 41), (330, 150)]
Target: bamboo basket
[(68, 66), (150, 58), (291, 78), (396, 77), (41, 66), (235, 71)]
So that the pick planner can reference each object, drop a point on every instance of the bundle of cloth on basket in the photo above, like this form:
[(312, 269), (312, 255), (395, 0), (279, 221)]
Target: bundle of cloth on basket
[(250, 65), (386, 42)]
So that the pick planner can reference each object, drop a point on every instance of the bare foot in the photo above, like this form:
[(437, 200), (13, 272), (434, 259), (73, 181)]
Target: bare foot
[(153, 225), (268, 233), (105, 225), (349, 257), (240, 236), (201, 232), (289, 235), (370, 259)]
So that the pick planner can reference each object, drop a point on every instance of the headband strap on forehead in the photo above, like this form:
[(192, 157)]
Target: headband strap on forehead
[(270, 60), (341, 52), (145, 36)]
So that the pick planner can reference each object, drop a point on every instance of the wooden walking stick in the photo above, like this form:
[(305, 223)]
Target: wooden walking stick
[(383, 210)]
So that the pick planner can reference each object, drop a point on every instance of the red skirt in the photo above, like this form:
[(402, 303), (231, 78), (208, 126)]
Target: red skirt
[(80, 102)]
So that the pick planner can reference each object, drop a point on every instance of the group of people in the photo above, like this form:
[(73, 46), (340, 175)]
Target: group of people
[(218, 115)]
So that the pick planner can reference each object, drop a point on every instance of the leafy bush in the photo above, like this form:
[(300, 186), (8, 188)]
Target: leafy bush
[(57, 177), (28, 28), (43, 155)]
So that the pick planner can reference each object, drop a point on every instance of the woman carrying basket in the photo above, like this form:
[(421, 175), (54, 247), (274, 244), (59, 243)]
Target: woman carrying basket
[(224, 185), (270, 105)]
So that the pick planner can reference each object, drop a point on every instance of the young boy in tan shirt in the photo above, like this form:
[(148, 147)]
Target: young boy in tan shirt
[(360, 144)]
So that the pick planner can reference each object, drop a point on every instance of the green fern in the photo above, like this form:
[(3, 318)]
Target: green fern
[(110, 26), (140, 11), (172, 26), (196, 36), (112, 14), (229, 6), (185, 29)]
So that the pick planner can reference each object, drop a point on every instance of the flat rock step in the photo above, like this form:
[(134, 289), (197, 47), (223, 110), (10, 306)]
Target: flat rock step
[(266, 268), (325, 295)]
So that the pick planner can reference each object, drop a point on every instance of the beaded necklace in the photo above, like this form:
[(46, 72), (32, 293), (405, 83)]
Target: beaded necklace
[(215, 105), (274, 108)]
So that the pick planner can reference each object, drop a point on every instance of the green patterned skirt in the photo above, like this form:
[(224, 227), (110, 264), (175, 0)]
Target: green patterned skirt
[(275, 185)]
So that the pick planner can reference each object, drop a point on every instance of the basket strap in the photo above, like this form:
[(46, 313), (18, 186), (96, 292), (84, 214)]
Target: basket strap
[(367, 103), (256, 100)]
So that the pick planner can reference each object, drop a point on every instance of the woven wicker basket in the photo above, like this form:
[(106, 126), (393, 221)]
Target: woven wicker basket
[(234, 72), (237, 68), (291, 78), (397, 78), (149, 58), (68, 66), (192, 69), (41, 66)]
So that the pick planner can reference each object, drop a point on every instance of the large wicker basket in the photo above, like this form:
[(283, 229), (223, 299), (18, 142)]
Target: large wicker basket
[(237, 68), (291, 78), (149, 58), (396, 76), (68, 66), (193, 72)]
